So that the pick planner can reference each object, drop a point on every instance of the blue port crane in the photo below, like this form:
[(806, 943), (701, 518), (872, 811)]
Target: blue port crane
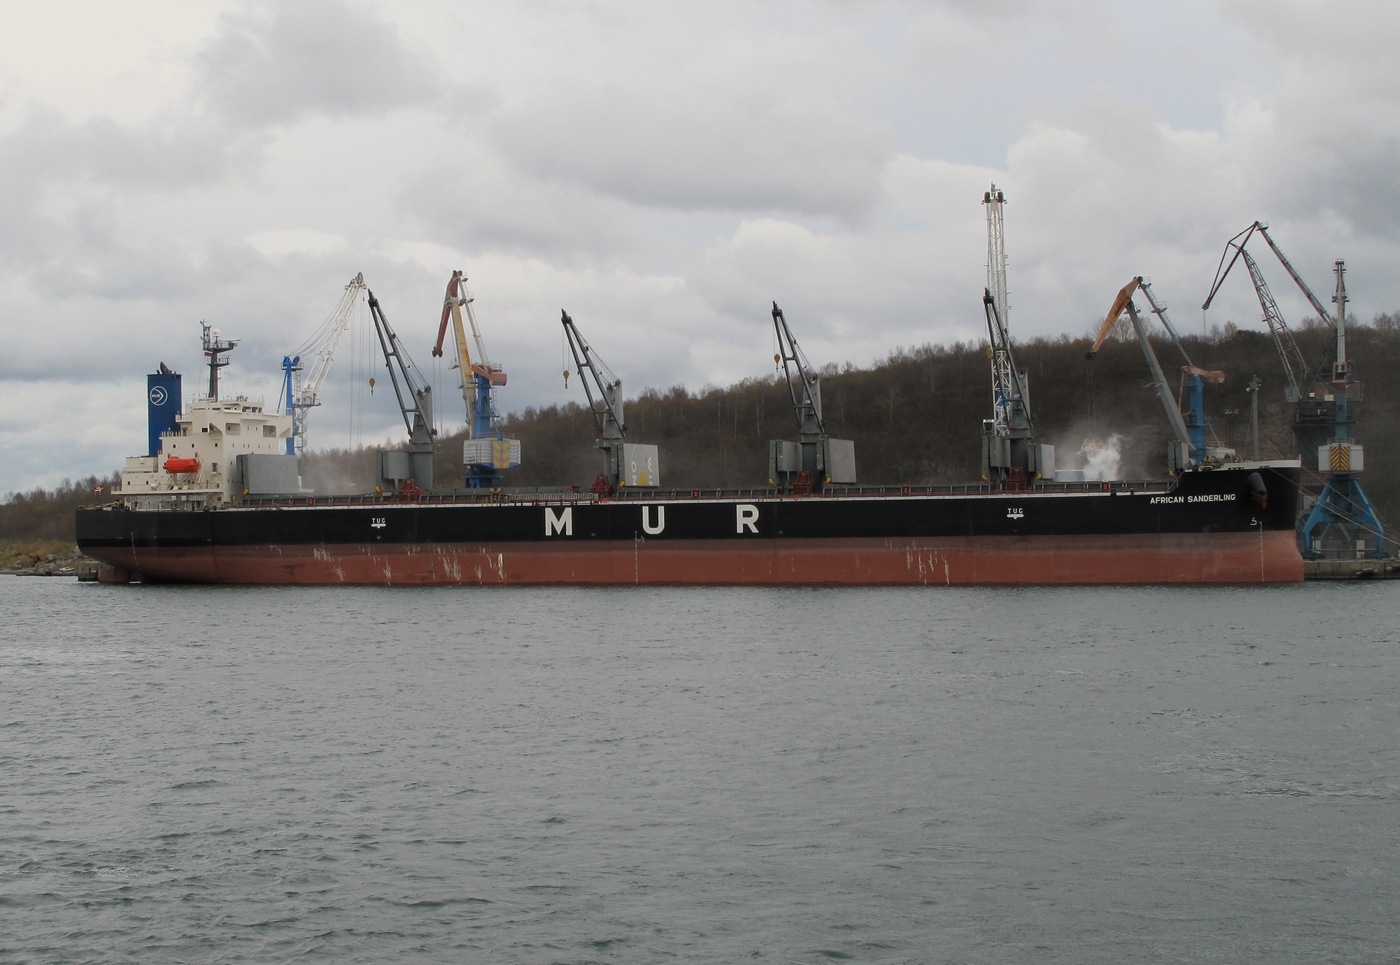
[(301, 392), (1342, 518), (1190, 451), (1341, 522), (485, 452)]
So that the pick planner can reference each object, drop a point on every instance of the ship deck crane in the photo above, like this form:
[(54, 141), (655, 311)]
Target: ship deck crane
[(624, 463), (1190, 450), (1194, 381), (485, 452), (408, 471), (804, 384), (301, 394), (1011, 458), (814, 460)]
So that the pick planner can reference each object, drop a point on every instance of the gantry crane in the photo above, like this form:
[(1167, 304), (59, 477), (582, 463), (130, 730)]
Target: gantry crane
[(1342, 518), (485, 452), (814, 460), (624, 463), (300, 395), (408, 471), (1190, 450)]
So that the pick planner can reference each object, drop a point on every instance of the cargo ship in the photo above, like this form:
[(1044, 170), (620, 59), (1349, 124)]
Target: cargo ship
[(1226, 525), (218, 500)]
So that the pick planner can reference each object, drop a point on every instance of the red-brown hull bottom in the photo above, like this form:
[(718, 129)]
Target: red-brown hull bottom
[(1270, 557)]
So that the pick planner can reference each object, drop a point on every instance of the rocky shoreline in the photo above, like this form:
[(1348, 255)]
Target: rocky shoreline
[(46, 564)]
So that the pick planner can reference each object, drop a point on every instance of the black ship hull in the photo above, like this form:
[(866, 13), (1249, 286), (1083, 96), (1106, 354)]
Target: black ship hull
[(1228, 525)]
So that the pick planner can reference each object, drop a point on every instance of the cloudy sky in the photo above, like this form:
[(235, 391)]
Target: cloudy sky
[(662, 170)]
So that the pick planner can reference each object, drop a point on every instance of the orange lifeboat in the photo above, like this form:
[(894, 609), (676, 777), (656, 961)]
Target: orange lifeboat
[(176, 464)]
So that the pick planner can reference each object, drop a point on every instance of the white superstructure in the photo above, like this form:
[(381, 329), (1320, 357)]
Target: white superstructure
[(198, 465)]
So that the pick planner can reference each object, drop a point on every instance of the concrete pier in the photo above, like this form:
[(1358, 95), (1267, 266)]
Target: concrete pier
[(1386, 569)]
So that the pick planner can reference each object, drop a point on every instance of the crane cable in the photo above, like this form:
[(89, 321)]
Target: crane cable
[(354, 405)]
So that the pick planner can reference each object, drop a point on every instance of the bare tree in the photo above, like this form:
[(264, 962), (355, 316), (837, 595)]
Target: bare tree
[(892, 399)]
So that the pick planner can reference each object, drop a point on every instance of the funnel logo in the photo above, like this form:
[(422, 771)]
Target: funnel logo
[(158, 395)]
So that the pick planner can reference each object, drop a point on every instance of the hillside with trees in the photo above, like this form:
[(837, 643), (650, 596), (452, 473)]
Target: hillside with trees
[(915, 418), (39, 523)]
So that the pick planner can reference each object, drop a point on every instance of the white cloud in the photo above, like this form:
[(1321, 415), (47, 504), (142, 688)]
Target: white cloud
[(709, 150), (86, 59), (277, 63), (475, 201)]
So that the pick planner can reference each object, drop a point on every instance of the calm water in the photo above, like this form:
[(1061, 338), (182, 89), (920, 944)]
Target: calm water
[(639, 775)]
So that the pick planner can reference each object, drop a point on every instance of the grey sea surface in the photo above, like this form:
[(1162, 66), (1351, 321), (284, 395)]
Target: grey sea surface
[(207, 774)]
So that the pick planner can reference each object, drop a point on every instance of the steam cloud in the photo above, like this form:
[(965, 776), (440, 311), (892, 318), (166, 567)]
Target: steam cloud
[(1104, 462)]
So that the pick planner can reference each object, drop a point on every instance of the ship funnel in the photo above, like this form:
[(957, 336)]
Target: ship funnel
[(162, 406)]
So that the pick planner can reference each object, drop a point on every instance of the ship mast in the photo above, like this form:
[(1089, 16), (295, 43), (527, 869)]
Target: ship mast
[(214, 346)]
